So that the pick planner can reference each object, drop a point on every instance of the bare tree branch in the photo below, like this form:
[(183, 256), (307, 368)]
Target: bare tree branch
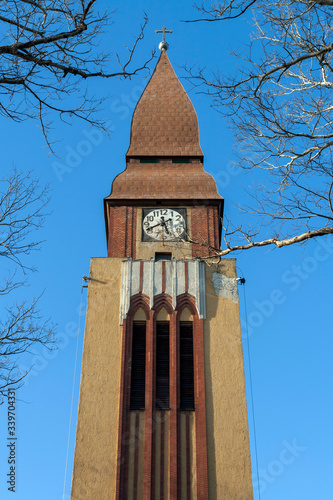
[(22, 328), (23, 204), (48, 50), (22, 210), (279, 104), (280, 243), (222, 11)]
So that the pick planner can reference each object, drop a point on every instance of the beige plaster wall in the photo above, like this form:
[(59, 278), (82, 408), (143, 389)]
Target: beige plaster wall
[(229, 465), (94, 475)]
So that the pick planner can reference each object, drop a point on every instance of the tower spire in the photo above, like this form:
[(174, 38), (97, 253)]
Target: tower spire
[(164, 159), (164, 121)]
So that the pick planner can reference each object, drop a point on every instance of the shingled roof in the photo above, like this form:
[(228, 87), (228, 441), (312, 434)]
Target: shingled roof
[(164, 130), (164, 121)]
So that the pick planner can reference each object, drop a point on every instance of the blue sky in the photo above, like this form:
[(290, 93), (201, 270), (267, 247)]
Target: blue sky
[(287, 292)]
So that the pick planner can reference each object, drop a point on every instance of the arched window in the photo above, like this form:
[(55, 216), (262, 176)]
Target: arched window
[(162, 365), (186, 373), (138, 377)]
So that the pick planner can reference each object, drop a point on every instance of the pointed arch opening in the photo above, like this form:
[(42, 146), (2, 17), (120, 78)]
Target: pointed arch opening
[(187, 319), (186, 366), (163, 312), (138, 371), (162, 365)]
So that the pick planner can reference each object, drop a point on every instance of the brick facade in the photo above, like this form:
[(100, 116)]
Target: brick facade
[(121, 231), (205, 223), (163, 301), (205, 230)]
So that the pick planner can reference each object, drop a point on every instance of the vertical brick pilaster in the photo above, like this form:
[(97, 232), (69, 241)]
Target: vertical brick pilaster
[(186, 275), (110, 229), (204, 230), (163, 276), (126, 230), (134, 215), (141, 277), (136, 454), (162, 479), (188, 457), (213, 227), (200, 410), (117, 231), (122, 232), (174, 423), (149, 411), (211, 224), (199, 231), (216, 228)]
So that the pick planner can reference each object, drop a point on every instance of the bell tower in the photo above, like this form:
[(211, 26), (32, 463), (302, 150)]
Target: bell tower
[(162, 412)]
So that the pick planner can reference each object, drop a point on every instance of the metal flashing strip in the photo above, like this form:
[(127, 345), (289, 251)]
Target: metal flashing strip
[(152, 285)]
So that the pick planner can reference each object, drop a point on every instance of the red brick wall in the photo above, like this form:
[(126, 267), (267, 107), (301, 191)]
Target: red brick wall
[(122, 232), (204, 230)]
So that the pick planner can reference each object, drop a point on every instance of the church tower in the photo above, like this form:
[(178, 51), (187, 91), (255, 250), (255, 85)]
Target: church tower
[(162, 411)]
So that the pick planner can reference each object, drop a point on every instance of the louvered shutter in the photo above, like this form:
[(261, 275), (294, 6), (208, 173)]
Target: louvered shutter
[(186, 366), (138, 365), (162, 365)]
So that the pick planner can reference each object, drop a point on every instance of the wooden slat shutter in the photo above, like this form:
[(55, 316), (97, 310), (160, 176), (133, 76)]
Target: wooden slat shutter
[(138, 366), (186, 366), (162, 365)]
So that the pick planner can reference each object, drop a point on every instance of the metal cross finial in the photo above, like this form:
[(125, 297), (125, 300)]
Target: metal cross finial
[(163, 45)]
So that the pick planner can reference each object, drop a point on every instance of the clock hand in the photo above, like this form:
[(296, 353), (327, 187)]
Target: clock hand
[(152, 227), (170, 229), (163, 223)]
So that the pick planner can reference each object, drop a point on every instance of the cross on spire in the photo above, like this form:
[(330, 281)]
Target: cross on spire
[(163, 45)]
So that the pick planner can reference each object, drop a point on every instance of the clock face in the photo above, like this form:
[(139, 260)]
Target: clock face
[(163, 224)]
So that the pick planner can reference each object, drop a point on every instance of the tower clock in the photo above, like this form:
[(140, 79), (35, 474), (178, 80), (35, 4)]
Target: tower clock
[(163, 224)]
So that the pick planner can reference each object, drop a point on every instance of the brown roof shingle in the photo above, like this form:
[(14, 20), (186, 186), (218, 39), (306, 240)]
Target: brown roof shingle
[(164, 180), (164, 126), (164, 121)]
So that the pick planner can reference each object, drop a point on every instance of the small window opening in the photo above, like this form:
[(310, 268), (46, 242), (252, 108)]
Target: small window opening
[(180, 160), (162, 256), (148, 160)]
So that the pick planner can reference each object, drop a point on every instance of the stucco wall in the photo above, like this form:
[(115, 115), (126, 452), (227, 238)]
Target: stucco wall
[(95, 460), (229, 466), (94, 474)]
